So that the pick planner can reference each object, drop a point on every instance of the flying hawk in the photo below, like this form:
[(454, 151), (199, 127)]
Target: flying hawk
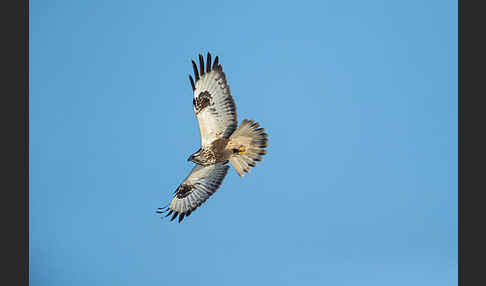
[(222, 140)]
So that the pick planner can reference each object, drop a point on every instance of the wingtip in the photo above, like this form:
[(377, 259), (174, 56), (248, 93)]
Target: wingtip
[(208, 64), (162, 210), (192, 83), (215, 64), (174, 216), (201, 64), (196, 72), (181, 217)]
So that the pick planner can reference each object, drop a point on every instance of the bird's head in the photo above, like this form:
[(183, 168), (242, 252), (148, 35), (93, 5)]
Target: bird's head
[(196, 157)]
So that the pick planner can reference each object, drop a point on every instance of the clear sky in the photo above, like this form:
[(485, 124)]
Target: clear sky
[(359, 186)]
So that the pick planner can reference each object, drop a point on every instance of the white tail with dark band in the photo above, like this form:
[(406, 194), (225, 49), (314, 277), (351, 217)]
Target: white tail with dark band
[(248, 143)]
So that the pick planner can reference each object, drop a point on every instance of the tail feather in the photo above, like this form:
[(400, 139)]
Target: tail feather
[(248, 143)]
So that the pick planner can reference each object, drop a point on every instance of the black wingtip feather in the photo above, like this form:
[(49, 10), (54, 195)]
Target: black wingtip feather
[(201, 64), (174, 216), (215, 64), (192, 83), (196, 73), (208, 64), (181, 217), (200, 72), (162, 210)]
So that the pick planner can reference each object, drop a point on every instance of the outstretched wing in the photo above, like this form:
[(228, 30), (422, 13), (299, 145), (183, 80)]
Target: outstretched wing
[(213, 105), (202, 182)]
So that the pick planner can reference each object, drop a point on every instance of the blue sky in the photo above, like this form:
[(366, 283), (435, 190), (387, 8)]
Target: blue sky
[(359, 186)]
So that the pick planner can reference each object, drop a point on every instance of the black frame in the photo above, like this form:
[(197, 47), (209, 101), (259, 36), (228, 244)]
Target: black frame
[(15, 115), (15, 135)]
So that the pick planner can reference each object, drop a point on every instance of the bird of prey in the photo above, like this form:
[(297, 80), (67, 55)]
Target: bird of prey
[(222, 140)]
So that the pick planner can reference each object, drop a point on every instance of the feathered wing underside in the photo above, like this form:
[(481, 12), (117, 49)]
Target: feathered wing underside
[(213, 104), (202, 182)]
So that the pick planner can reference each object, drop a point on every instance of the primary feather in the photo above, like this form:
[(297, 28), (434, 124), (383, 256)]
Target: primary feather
[(212, 103), (197, 187)]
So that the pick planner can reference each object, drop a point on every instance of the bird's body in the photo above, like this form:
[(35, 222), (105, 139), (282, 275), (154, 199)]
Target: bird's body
[(222, 140), (215, 152)]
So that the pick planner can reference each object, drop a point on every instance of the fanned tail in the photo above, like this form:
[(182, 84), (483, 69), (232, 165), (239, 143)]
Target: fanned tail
[(248, 143)]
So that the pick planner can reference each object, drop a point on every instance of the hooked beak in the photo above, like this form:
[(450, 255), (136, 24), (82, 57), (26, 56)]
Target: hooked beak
[(190, 158)]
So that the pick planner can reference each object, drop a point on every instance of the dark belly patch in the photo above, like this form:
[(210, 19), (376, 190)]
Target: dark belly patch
[(218, 147), (202, 101)]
